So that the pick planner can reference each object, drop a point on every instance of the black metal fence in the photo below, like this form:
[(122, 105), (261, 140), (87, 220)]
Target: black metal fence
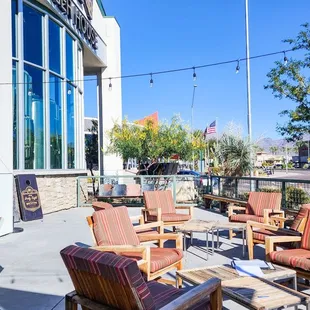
[(294, 192)]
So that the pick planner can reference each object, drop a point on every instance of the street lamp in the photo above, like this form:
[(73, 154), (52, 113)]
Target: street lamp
[(248, 77), (192, 117)]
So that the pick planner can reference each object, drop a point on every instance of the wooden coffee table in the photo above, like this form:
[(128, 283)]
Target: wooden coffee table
[(252, 293), (198, 226)]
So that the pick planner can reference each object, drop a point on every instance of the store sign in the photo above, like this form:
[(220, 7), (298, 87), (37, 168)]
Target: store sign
[(80, 21)]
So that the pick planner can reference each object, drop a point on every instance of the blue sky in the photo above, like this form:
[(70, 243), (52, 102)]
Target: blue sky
[(158, 35)]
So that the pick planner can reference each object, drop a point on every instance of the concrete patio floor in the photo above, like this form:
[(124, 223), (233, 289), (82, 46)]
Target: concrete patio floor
[(33, 276)]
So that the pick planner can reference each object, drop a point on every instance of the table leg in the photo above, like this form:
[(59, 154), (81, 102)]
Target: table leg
[(212, 231), (243, 247), (191, 238), (184, 242), (218, 239), (295, 288), (207, 245)]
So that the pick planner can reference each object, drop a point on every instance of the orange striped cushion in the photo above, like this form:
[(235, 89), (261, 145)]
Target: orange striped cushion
[(258, 201), (160, 257), (100, 205), (296, 258), (171, 217), (113, 227), (159, 199), (305, 240), (243, 218), (303, 212)]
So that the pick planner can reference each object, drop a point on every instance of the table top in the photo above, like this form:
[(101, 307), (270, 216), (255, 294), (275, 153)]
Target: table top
[(229, 225), (259, 293), (196, 226)]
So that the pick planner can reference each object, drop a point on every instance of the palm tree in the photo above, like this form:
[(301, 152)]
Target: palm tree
[(234, 154)]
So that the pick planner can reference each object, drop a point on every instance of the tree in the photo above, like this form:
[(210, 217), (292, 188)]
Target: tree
[(292, 81), (91, 150), (274, 150), (234, 155)]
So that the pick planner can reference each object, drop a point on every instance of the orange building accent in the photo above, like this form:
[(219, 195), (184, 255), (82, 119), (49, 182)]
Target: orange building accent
[(153, 117)]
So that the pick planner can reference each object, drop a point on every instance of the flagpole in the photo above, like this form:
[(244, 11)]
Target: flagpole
[(217, 133)]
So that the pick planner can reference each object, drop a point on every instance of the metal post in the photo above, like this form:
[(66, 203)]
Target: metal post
[(248, 76), (192, 117), (78, 191)]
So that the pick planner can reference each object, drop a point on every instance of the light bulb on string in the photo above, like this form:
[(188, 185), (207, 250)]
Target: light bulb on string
[(151, 80), (285, 59), (69, 92), (110, 84), (238, 67), (30, 92), (194, 74)]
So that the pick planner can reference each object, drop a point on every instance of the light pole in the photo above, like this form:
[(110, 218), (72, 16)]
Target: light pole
[(192, 117), (248, 77)]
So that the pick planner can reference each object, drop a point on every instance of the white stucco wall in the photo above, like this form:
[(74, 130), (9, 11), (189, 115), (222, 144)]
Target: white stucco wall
[(6, 119), (109, 30)]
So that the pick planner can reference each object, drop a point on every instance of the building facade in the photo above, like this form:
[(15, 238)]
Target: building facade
[(49, 46)]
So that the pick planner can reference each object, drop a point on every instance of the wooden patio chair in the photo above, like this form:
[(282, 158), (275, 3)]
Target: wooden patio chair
[(109, 281), (257, 232), (140, 227), (159, 206), (113, 231), (297, 258), (259, 208)]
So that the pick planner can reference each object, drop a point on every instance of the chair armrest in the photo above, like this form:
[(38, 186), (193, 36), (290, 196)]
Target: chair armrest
[(158, 224), (277, 221), (208, 291), (138, 218), (156, 210), (189, 208), (258, 225), (267, 213), (176, 237), (232, 208), (271, 241)]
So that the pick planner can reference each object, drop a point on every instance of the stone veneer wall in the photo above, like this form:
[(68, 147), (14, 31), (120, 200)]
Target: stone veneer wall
[(58, 192)]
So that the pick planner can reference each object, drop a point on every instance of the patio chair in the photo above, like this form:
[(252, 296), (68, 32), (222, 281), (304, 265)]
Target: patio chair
[(109, 281), (259, 207), (257, 232), (298, 258), (141, 229), (113, 231), (159, 206)]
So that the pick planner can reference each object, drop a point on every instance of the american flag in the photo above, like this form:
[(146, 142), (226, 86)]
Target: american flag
[(211, 128)]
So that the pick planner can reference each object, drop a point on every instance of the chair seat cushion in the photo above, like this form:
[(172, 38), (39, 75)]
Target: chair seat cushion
[(260, 234), (160, 257), (243, 218), (163, 294), (296, 258), (170, 217)]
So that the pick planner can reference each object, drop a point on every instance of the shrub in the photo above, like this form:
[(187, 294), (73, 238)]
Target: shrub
[(296, 196), (305, 166), (269, 189)]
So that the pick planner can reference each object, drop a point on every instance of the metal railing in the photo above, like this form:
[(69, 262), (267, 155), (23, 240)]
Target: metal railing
[(294, 192), (185, 186)]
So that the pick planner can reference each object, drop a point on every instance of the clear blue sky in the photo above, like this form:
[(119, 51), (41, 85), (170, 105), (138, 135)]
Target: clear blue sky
[(158, 35)]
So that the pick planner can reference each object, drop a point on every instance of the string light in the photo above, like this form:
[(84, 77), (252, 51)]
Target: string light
[(159, 72), (285, 59), (238, 67), (151, 80), (69, 92), (30, 92), (110, 84), (194, 74)]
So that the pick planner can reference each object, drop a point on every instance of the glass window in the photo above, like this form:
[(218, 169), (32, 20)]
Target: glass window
[(33, 47), (55, 122), (54, 46), (69, 58), (14, 17), (34, 118), (15, 116), (70, 126)]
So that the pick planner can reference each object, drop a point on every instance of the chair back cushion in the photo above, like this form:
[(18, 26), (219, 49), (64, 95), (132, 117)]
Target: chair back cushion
[(106, 278), (305, 240), (133, 190), (100, 205), (159, 199), (114, 227), (300, 219), (258, 201)]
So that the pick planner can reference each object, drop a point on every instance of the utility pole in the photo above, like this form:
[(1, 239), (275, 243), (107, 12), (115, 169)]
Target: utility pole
[(192, 117)]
